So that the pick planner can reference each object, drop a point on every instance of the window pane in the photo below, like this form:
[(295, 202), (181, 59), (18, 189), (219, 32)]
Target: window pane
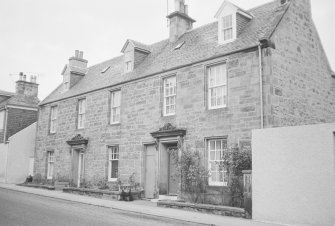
[(212, 155), (114, 168), (212, 166), (212, 145), (224, 90), (221, 176), (219, 95), (173, 98), (228, 34), (214, 176), (218, 155), (117, 99), (227, 21)]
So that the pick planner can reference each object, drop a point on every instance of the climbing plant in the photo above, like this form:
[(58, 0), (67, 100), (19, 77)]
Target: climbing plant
[(193, 175)]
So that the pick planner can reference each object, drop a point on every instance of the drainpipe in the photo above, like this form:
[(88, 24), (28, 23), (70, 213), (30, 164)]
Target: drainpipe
[(263, 43), (261, 83)]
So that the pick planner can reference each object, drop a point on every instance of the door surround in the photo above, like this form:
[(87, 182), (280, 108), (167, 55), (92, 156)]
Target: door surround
[(164, 137), (78, 148)]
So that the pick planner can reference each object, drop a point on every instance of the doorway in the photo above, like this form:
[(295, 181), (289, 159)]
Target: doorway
[(77, 166), (169, 180), (150, 171)]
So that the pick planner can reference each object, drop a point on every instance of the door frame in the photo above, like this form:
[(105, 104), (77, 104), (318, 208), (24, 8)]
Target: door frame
[(143, 170), (162, 146), (81, 163)]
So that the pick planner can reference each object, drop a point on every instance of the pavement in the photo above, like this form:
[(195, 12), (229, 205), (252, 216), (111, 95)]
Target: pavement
[(141, 207)]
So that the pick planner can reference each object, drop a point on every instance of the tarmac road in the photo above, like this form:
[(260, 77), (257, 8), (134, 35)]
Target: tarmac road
[(18, 208)]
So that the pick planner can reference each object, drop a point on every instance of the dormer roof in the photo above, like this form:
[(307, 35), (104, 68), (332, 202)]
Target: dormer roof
[(239, 10), (137, 46), (74, 70)]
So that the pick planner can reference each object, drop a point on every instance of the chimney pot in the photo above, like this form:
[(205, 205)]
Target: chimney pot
[(21, 76), (24, 77), (81, 54), (76, 53)]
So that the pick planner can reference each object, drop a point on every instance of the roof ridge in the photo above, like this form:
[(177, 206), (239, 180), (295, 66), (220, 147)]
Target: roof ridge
[(202, 26), (6, 92), (262, 5), (103, 62)]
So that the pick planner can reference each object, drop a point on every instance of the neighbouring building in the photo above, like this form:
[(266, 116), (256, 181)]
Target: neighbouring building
[(201, 89), (18, 112)]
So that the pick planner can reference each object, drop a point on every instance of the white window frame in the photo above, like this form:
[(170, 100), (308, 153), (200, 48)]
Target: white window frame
[(66, 82), (113, 156), (53, 119), (222, 27), (115, 111), (51, 164), (128, 66), (214, 86), (2, 119), (81, 113), (170, 93), (227, 24), (215, 163)]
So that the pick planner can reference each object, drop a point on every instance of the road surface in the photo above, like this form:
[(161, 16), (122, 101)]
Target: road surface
[(18, 208)]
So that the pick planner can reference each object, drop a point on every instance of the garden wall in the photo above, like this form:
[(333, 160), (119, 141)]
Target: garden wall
[(294, 175)]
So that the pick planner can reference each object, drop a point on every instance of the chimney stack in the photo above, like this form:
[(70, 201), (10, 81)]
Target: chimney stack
[(78, 62), (180, 22), (23, 87)]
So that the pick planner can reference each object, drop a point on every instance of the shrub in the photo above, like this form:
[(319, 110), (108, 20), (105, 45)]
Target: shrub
[(193, 175)]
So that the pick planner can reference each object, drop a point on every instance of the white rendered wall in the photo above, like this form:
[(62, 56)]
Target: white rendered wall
[(3, 160), (294, 175), (21, 150)]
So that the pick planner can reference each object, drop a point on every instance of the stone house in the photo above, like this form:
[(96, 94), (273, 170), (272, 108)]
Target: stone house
[(201, 90), (18, 111)]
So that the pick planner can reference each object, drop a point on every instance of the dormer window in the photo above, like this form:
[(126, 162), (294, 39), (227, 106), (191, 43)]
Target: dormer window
[(231, 22), (66, 82), (227, 28), (134, 53), (128, 66)]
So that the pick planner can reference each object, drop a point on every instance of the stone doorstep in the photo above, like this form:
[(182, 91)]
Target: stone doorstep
[(212, 209)]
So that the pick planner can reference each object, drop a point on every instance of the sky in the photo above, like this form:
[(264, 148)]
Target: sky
[(38, 37)]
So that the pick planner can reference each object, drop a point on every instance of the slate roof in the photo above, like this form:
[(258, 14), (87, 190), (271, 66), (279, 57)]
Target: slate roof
[(9, 98), (20, 100), (200, 44), (5, 93)]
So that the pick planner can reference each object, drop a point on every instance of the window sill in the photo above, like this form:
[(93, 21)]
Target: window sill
[(166, 116), (52, 133), (80, 129), (217, 108), (115, 124), (112, 179)]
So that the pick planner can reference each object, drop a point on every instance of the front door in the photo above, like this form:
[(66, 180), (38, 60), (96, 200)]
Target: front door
[(77, 166), (150, 171), (173, 177)]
